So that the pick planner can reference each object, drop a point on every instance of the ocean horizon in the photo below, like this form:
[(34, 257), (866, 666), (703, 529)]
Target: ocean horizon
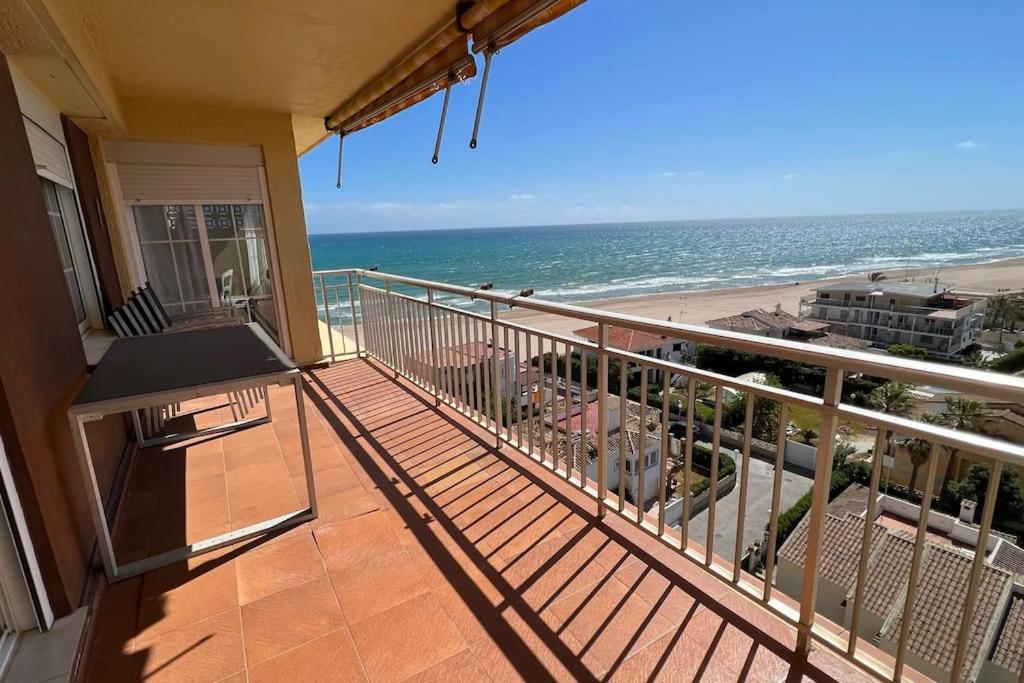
[(598, 261)]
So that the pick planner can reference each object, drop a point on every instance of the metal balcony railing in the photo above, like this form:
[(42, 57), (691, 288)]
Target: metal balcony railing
[(520, 383)]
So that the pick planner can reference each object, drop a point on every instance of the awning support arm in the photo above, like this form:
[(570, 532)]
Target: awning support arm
[(341, 145), (480, 102), (444, 114)]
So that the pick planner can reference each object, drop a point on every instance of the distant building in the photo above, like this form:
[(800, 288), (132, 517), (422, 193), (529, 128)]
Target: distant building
[(995, 648), (779, 324), (462, 365), (579, 432), (651, 345), (886, 313)]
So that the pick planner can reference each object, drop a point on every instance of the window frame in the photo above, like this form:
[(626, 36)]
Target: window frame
[(78, 241)]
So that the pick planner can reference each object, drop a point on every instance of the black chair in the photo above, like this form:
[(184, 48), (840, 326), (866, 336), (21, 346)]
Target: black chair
[(143, 314)]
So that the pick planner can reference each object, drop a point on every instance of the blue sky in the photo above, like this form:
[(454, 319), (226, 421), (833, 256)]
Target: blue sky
[(664, 110)]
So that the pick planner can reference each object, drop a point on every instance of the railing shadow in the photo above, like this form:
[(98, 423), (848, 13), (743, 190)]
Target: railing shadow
[(365, 447)]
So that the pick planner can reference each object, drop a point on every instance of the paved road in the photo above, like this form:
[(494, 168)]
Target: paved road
[(759, 501)]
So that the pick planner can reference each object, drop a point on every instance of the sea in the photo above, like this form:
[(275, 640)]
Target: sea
[(585, 262)]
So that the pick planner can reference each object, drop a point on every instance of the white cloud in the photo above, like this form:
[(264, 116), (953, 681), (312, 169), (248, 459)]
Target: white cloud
[(521, 197), (665, 174), (695, 174), (790, 176), (968, 144)]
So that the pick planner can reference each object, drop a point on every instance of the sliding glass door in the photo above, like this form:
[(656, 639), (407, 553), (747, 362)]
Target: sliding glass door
[(202, 256)]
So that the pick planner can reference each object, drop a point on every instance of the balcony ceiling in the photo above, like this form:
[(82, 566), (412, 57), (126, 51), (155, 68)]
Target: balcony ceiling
[(302, 58)]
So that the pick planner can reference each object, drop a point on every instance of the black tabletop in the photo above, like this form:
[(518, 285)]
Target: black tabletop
[(137, 366)]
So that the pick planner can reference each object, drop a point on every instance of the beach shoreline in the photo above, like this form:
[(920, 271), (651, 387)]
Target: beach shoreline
[(699, 306)]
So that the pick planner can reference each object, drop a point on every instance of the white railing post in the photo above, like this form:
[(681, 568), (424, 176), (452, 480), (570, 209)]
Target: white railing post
[(432, 333), (352, 310), (327, 317), (393, 327), (495, 380), (602, 416), (819, 504)]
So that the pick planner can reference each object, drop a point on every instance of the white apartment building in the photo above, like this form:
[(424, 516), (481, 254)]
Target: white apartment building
[(887, 313)]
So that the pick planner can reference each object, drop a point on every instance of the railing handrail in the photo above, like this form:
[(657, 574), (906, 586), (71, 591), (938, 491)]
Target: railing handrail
[(966, 380)]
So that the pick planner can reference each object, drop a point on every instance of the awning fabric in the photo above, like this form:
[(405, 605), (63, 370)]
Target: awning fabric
[(414, 80), (514, 19), (445, 59)]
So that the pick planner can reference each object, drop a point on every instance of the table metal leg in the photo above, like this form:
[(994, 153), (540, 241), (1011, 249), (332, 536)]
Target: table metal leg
[(300, 407), (117, 572), (92, 493)]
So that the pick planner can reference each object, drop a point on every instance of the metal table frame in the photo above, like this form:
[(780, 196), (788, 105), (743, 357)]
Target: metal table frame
[(79, 415)]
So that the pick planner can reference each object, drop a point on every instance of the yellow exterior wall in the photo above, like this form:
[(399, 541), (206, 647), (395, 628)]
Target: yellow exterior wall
[(158, 121)]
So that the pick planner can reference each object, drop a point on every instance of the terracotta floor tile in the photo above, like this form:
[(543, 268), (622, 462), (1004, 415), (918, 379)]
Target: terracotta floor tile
[(263, 450), (263, 502), (608, 623), (289, 618), (353, 541), (115, 668), (209, 650), (330, 658), (332, 480), (385, 579), (115, 620), (671, 601), (553, 570), (461, 667), (265, 570), (241, 479), (176, 596), (340, 506), (199, 489), (204, 463), (406, 639)]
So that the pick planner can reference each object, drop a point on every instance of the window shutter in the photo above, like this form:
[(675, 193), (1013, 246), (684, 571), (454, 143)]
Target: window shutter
[(47, 153), (184, 184)]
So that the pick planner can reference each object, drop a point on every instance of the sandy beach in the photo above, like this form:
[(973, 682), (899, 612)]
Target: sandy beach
[(700, 306)]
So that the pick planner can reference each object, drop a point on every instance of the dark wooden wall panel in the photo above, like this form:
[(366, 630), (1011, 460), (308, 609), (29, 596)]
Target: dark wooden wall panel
[(42, 366)]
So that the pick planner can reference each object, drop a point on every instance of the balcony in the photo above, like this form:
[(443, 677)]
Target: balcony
[(461, 536)]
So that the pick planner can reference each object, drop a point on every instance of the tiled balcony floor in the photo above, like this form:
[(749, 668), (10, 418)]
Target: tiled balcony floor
[(435, 557)]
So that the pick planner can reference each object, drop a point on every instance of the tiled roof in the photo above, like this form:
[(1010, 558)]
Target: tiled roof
[(773, 318), (888, 569), (625, 339), (1009, 557), (741, 323), (809, 326), (939, 599), (840, 341), (840, 549), (1009, 649)]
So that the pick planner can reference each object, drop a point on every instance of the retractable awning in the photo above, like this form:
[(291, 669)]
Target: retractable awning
[(444, 60)]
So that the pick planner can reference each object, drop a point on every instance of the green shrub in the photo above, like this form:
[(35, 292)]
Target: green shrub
[(1011, 362), (907, 351), (705, 413)]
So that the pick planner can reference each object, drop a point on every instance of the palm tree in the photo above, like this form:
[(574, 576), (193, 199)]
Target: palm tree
[(808, 435), (1003, 310), (919, 451), (876, 277), (892, 398), (966, 415)]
